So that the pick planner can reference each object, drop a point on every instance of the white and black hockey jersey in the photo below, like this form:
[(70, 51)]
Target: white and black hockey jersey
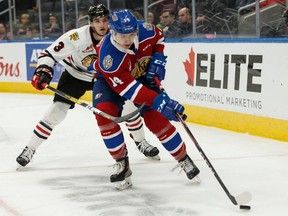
[(74, 50)]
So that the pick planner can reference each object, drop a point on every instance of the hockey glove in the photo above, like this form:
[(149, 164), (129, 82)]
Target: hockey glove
[(42, 75), (156, 67), (168, 107)]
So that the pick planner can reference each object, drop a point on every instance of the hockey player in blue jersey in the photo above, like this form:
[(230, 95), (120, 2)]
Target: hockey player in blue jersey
[(129, 58)]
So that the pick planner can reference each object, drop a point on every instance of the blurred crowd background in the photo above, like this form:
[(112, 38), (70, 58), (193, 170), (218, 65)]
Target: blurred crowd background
[(179, 19)]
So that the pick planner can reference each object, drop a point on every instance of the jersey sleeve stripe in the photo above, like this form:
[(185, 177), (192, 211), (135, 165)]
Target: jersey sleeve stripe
[(130, 90), (136, 92)]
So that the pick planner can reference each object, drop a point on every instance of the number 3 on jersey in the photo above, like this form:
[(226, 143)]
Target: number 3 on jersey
[(116, 81), (58, 47)]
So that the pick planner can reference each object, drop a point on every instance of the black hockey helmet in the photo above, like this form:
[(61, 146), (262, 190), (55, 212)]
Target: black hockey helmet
[(97, 11)]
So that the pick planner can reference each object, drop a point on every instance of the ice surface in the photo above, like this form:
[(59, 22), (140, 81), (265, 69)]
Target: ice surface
[(70, 171)]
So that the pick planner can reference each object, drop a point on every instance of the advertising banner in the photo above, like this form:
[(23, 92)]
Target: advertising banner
[(32, 52), (249, 78), (12, 62), (239, 86)]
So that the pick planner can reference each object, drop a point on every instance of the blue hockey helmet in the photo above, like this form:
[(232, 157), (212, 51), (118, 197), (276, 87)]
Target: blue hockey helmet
[(123, 22)]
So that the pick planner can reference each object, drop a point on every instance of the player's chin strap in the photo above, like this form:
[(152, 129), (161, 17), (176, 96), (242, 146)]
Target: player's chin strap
[(238, 200), (93, 109)]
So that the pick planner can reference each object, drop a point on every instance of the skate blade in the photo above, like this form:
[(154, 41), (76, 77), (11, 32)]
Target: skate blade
[(19, 167), (123, 185), (197, 180), (156, 157)]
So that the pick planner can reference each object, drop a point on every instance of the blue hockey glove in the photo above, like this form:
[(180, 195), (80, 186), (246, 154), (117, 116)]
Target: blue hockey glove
[(156, 67), (168, 107)]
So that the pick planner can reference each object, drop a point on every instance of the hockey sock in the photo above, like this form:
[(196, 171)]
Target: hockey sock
[(111, 132), (53, 116), (166, 133), (135, 124), (135, 127)]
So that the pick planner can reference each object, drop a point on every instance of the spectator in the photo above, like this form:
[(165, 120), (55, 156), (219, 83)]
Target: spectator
[(53, 28), (185, 21), (34, 32), (23, 26), (152, 18), (171, 29), (160, 24), (4, 34)]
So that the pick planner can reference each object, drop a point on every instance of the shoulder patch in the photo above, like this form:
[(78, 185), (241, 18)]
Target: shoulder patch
[(147, 26), (88, 60), (140, 67), (74, 36), (107, 62)]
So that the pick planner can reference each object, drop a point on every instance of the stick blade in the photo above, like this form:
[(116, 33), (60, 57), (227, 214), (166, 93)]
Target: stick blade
[(243, 198), (126, 117)]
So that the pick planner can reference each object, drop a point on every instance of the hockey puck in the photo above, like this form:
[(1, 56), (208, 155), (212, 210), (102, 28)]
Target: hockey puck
[(245, 207)]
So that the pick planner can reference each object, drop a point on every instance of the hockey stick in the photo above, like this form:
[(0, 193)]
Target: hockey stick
[(93, 109), (241, 199)]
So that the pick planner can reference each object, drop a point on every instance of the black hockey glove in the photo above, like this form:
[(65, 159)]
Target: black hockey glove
[(42, 75)]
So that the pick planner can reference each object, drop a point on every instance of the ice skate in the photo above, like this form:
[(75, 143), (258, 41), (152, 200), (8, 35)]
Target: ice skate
[(189, 167), (148, 150), (121, 178), (25, 157)]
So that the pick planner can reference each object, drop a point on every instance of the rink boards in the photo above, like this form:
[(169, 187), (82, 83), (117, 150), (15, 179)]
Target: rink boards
[(238, 85)]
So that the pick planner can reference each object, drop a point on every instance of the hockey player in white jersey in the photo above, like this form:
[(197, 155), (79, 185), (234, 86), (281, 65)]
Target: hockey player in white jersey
[(74, 50)]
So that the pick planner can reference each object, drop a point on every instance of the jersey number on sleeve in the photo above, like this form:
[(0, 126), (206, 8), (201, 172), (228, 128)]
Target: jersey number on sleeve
[(116, 81)]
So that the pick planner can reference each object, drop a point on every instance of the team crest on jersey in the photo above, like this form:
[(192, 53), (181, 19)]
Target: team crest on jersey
[(107, 62), (88, 60), (140, 67), (74, 36), (147, 26)]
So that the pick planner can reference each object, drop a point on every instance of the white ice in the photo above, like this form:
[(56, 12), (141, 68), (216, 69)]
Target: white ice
[(69, 175)]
